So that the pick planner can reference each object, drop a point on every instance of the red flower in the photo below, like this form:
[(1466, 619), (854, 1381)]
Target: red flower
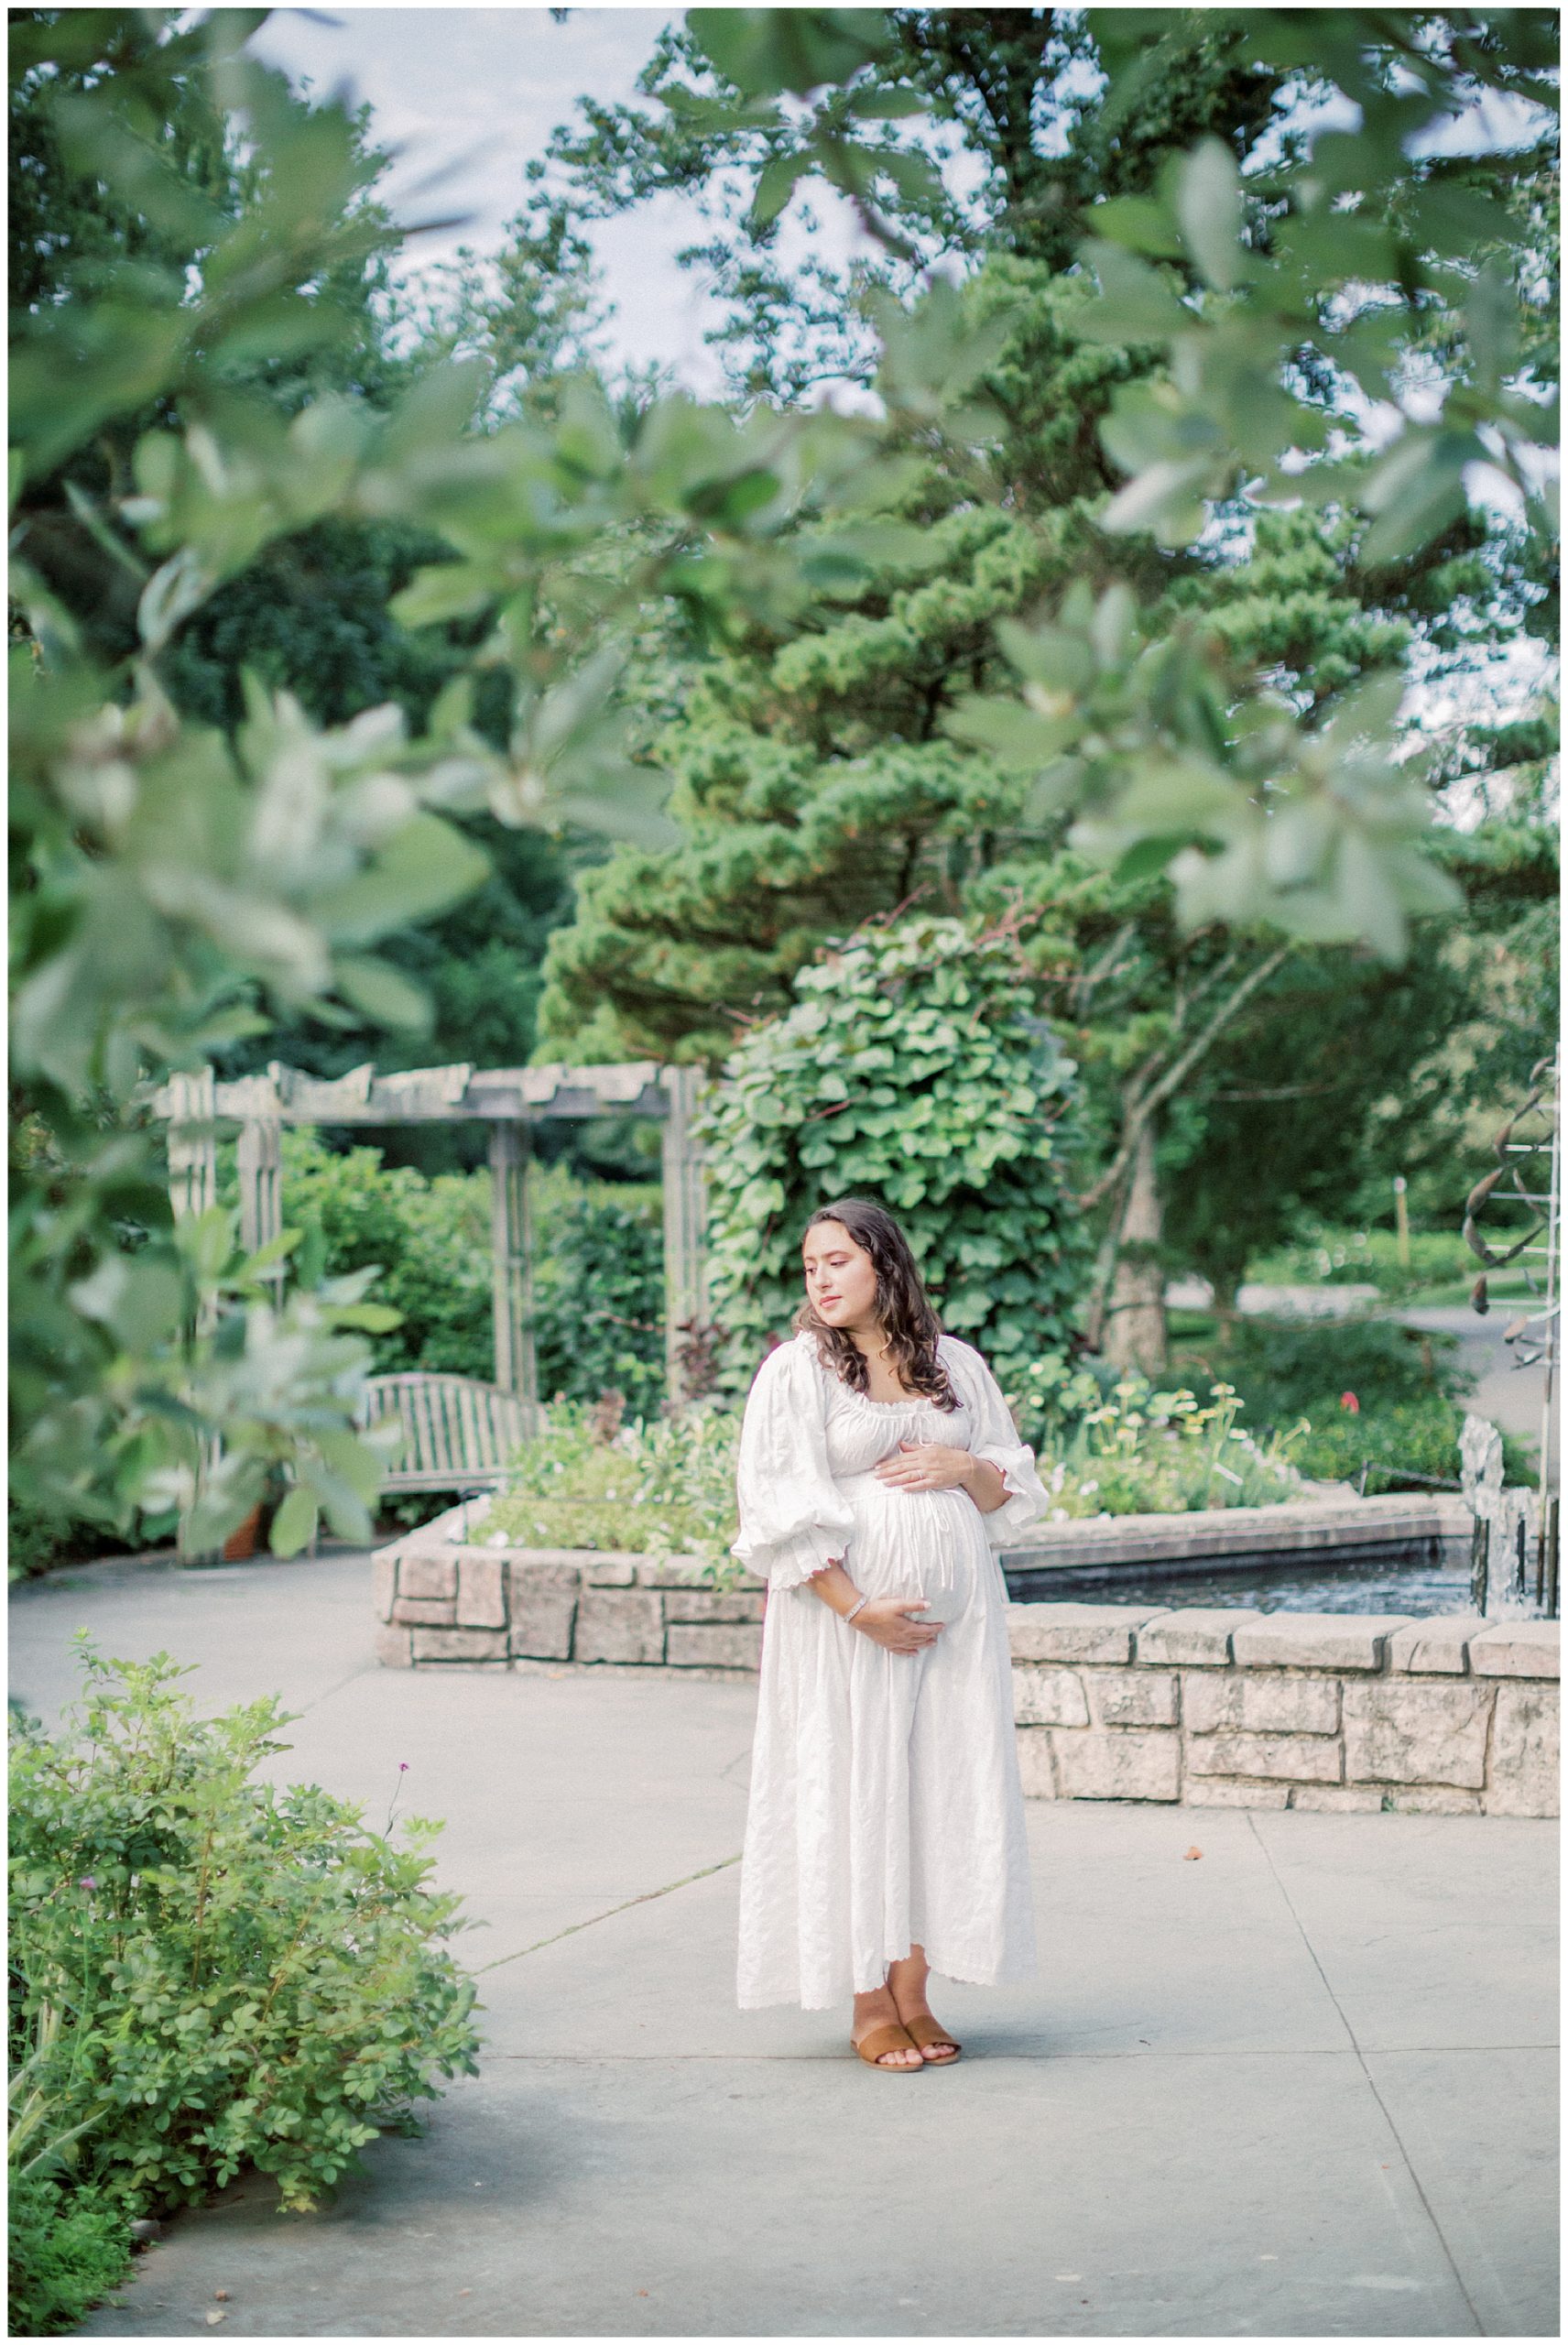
[(1348, 1401)]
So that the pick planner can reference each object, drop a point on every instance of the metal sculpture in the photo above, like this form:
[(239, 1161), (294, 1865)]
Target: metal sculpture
[(1528, 1178)]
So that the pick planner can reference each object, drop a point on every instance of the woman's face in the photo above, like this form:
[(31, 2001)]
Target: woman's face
[(840, 1277)]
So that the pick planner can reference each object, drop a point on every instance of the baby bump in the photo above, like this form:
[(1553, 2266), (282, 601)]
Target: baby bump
[(929, 1544)]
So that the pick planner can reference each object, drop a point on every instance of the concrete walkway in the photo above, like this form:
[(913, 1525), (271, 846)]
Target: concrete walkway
[(1301, 2085)]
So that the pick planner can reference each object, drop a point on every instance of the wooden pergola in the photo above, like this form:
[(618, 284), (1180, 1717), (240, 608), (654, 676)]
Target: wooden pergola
[(511, 1101)]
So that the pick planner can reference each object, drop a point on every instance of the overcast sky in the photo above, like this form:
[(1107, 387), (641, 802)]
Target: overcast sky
[(477, 92)]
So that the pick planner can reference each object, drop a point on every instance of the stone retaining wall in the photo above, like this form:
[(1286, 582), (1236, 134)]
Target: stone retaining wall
[(1209, 1707), (445, 1601), (1215, 1707)]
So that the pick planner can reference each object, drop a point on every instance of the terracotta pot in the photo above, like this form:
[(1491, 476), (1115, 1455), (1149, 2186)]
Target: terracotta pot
[(246, 1539)]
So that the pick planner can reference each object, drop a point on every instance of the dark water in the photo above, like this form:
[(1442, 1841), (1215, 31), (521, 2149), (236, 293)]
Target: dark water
[(1420, 1589)]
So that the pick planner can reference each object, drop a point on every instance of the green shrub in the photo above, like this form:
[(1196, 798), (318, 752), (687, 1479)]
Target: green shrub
[(1052, 1394), (68, 2243), (38, 1542), (599, 1290), (1398, 1443), (249, 1975), (687, 1483), (670, 1487), (1407, 1391), (1405, 1425), (1106, 1444), (431, 1238), (1286, 1369), (1142, 1451)]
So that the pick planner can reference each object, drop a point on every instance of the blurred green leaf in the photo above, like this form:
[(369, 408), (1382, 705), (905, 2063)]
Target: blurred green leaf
[(383, 993), (294, 1524), (1416, 491), (776, 184), (767, 51), (1134, 303), (1208, 205), (1140, 223), (1007, 730), (424, 867)]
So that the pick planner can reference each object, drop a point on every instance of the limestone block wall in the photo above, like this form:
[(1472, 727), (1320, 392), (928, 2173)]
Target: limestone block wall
[(1218, 1708), (1205, 1707), (441, 1600)]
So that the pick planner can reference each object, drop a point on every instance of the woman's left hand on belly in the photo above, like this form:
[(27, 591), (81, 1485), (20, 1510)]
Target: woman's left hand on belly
[(925, 1466)]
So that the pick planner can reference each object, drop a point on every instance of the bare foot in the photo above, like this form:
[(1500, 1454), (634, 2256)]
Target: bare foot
[(878, 2009), (937, 2053), (907, 1984)]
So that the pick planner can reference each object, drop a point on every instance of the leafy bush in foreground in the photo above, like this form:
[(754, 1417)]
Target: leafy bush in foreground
[(67, 2249), (247, 1975)]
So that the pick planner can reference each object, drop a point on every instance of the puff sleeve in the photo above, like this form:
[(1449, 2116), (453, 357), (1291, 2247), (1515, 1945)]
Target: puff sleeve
[(996, 1438), (793, 1520)]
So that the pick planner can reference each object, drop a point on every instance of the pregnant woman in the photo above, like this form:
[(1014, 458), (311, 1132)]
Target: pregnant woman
[(879, 1468)]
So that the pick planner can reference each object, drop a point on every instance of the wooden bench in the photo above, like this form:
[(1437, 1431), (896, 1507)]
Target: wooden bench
[(458, 1432)]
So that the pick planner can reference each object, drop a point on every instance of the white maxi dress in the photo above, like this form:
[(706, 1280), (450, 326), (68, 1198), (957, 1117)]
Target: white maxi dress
[(886, 1809)]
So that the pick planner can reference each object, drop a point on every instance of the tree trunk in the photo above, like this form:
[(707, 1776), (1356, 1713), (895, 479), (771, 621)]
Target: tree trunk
[(1135, 1325), (1227, 1285)]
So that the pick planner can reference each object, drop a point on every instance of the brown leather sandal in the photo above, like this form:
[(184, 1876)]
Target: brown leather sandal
[(923, 2031), (888, 2037)]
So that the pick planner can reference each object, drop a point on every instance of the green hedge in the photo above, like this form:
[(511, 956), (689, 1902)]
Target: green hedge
[(1289, 1368)]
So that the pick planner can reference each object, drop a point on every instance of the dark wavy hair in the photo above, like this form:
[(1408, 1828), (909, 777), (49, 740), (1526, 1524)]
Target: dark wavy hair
[(902, 1306)]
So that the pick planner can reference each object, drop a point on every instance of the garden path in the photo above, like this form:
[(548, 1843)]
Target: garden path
[(1301, 2085)]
